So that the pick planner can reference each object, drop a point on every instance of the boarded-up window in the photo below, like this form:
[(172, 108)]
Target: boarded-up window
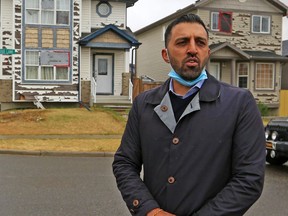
[(221, 21), (225, 22), (54, 58), (47, 66)]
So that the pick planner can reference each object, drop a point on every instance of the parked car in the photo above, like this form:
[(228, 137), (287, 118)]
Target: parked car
[(276, 133)]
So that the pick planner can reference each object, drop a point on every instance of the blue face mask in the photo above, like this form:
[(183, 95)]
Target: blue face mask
[(179, 79)]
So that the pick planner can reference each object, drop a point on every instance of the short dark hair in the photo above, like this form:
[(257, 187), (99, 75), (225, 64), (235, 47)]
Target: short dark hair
[(187, 18)]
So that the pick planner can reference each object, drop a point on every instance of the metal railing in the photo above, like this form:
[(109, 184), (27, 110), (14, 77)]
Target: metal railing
[(93, 89), (130, 96)]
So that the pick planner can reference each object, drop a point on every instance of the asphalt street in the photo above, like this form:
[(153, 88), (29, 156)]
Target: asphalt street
[(56, 186), (73, 186)]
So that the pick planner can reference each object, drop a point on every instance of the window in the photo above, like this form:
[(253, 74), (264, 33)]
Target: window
[(264, 76), (214, 21), (243, 69), (103, 9), (221, 21), (102, 66), (39, 69), (48, 12), (261, 24)]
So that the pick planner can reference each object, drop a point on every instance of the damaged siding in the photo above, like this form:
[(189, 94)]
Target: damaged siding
[(7, 41), (118, 18), (57, 38), (244, 39)]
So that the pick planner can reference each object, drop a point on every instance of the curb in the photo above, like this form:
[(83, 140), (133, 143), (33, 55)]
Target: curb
[(59, 154)]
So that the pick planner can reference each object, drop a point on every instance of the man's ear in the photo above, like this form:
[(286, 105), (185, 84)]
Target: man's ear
[(165, 55)]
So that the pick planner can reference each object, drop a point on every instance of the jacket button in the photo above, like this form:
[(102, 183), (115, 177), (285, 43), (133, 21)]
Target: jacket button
[(135, 203), (171, 180), (175, 141), (164, 108)]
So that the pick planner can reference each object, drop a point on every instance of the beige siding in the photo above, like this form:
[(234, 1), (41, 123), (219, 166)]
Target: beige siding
[(226, 72), (86, 64), (6, 37), (117, 17), (86, 16), (225, 53), (119, 68), (109, 37), (149, 60)]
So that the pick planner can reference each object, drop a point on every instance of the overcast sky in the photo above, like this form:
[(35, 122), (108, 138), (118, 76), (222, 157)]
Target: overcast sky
[(145, 12)]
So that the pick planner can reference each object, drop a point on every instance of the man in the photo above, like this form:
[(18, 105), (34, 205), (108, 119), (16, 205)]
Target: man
[(201, 142)]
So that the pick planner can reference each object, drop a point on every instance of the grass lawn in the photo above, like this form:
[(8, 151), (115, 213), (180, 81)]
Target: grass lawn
[(61, 122), (77, 121)]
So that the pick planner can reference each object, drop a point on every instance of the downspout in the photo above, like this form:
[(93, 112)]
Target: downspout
[(132, 68), (79, 76)]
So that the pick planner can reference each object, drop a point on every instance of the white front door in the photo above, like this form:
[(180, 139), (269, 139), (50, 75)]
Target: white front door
[(103, 73), (214, 69)]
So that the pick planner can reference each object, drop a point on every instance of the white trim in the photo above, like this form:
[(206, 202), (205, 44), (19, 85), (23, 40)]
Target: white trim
[(247, 76), (261, 19)]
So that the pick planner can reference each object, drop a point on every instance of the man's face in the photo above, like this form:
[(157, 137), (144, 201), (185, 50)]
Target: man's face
[(187, 50)]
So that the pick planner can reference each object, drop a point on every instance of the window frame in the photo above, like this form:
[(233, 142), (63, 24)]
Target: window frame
[(272, 80), (40, 67), (243, 76), (261, 26), (220, 17), (98, 11), (41, 11), (214, 22)]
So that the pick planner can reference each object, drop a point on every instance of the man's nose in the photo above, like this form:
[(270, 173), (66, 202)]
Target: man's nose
[(192, 48)]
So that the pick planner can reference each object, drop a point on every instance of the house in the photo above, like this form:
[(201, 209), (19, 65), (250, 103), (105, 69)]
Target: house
[(245, 40), (62, 52)]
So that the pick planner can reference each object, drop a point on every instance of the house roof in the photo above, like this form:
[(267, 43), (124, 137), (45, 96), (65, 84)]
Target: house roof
[(285, 48), (129, 3), (256, 55), (200, 3), (215, 47), (125, 34), (265, 55)]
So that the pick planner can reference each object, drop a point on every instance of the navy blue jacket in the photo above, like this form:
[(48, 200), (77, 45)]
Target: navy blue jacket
[(211, 162)]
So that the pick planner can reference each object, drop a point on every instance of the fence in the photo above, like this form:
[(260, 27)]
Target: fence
[(283, 109), (140, 86)]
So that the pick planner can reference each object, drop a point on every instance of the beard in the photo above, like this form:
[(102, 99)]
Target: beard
[(187, 73)]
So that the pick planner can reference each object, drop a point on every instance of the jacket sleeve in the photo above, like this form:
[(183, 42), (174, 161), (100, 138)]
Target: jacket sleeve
[(248, 165), (127, 166)]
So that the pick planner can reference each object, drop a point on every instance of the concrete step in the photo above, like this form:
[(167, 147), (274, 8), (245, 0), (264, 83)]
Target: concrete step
[(110, 99)]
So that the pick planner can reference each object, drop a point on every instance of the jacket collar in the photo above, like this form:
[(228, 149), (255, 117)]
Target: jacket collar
[(209, 91)]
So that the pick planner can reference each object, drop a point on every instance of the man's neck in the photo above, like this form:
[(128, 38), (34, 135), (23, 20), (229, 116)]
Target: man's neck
[(180, 89)]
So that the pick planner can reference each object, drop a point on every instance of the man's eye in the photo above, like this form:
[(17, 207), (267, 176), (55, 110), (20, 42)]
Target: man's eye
[(201, 43), (181, 43)]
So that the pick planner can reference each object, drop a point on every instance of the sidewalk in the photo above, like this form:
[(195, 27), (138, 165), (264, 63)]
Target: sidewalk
[(58, 153)]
